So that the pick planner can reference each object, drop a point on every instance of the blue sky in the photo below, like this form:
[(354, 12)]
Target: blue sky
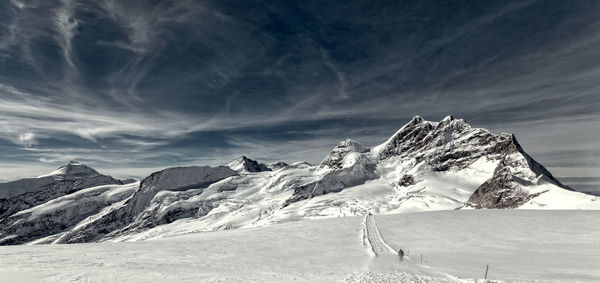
[(134, 86)]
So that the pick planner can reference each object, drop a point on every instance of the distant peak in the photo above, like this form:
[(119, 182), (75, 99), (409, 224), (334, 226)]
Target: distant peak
[(244, 163), (72, 171)]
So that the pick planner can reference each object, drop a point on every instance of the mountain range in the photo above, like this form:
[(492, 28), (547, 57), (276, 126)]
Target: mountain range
[(424, 166)]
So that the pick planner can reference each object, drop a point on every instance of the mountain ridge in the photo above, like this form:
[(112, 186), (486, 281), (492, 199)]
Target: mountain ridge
[(424, 166)]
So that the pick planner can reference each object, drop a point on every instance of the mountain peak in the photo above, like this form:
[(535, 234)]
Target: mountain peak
[(336, 156), (244, 163), (72, 171), (416, 120)]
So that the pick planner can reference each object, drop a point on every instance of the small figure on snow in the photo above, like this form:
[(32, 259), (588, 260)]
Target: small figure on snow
[(401, 255)]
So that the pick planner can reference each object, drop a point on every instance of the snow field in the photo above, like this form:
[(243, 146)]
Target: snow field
[(519, 246)]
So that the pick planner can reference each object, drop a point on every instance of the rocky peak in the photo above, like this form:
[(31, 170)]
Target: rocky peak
[(450, 142), (248, 165), (416, 120), (454, 143), (515, 158), (335, 158), (503, 190)]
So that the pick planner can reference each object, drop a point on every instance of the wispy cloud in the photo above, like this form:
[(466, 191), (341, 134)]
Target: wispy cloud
[(66, 27)]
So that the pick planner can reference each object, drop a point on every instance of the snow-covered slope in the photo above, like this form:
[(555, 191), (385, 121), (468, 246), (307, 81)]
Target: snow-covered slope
[(33, 195), (26, 193), (424, 166), (144, 208), (47, 222), (456, 247)]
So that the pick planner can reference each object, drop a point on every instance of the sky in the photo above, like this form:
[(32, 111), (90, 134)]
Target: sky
[(131, 87)]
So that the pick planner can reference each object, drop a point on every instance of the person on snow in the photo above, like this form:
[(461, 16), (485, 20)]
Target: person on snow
[(401, 255)]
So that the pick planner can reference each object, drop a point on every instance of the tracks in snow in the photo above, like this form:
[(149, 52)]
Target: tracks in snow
[(374, 239)]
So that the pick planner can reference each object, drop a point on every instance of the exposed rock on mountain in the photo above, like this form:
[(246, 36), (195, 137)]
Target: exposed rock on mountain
[(247, 165), (445, 144), (406, 180), (515, 170), (503, 190), (335, 159)]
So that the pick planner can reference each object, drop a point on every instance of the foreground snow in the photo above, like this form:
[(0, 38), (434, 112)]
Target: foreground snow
[(456, 245)]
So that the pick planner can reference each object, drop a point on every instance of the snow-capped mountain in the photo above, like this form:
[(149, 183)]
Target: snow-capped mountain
[(26, 198), (72, 171), (424, 166), (72, 177), (248, 165)]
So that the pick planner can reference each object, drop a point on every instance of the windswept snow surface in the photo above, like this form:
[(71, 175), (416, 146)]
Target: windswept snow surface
[(518, 245)]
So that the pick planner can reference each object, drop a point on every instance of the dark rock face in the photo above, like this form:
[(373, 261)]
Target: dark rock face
[(452, 143), (406, 180), (133, 215), (407, 138), (501, 191), (449, 143)]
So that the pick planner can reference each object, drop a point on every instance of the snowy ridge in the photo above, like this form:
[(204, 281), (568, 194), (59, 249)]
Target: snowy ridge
[(72, 170), (425, 166)]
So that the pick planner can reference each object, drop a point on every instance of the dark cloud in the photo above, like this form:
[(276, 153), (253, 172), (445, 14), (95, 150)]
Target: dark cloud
[(148, 84)]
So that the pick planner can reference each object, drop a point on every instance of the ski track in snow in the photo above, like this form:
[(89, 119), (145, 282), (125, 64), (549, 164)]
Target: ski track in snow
[(384, 265), (376, 242)]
